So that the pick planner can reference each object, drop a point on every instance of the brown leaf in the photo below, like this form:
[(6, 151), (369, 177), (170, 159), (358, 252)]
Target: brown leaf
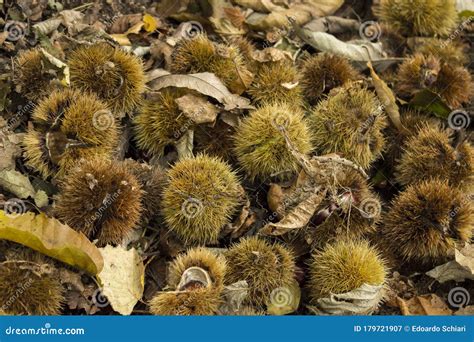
[(299, 216), (197, 109), (207, 84), (459, 269), (387, 98), (429, 304)]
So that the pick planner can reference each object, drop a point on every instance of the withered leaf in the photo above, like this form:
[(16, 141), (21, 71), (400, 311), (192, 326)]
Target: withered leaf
[(361, 301), (459, 269), (299, 216), (122, 278), (387, 98), (206, 83), (197, 108)]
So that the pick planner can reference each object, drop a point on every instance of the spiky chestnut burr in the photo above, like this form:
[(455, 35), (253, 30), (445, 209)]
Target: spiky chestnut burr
[(264, 266), (216, 140), (116, 76), (412, 120), (198, 302), (102, 199), (197, 278), (67, 126), (433, 153), (200, 197), (323, 72), (200, 54), (276, 82), (160, 122), (152, 181), (427, 220), (344, 266), (349, 122), (453, 83), (260, 146), (419, 17), (447, 51), (29, 285), (31, 76), (213, 264)]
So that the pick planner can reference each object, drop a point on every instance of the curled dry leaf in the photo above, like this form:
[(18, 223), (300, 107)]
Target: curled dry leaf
[(52, 238), (233, 295), (197, 109), (459, 269), (332, 24), (122, 278), (205, 83), (9, 146), (301, 12), (387, 98), (61, 68), (325, 42), (299, 216), (430, 304), (185, 145), (361, 301), (16, 183)]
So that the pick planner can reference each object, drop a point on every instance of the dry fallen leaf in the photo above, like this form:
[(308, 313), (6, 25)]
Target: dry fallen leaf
[(52, 238), (206, 83), (387, 98), (299, 216), (429, 304), (16, 183), (325, 42), (122, 278), (459, 269), (197, 109), (361, 301), (233, 295)]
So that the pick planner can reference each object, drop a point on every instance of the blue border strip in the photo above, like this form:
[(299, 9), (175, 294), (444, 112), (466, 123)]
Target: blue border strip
[(247, 329)]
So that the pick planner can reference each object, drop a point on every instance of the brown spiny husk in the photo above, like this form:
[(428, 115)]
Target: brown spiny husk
[(67, 126), (427, 220), (264, 266), (116, 76), (323, 72), (349, 123), (200, 197), (432, 153), (102, 199), (29, 285)]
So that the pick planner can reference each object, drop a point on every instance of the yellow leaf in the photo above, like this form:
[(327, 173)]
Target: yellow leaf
[(122, 278), (150, 23), (121, 38), (52, 238)]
